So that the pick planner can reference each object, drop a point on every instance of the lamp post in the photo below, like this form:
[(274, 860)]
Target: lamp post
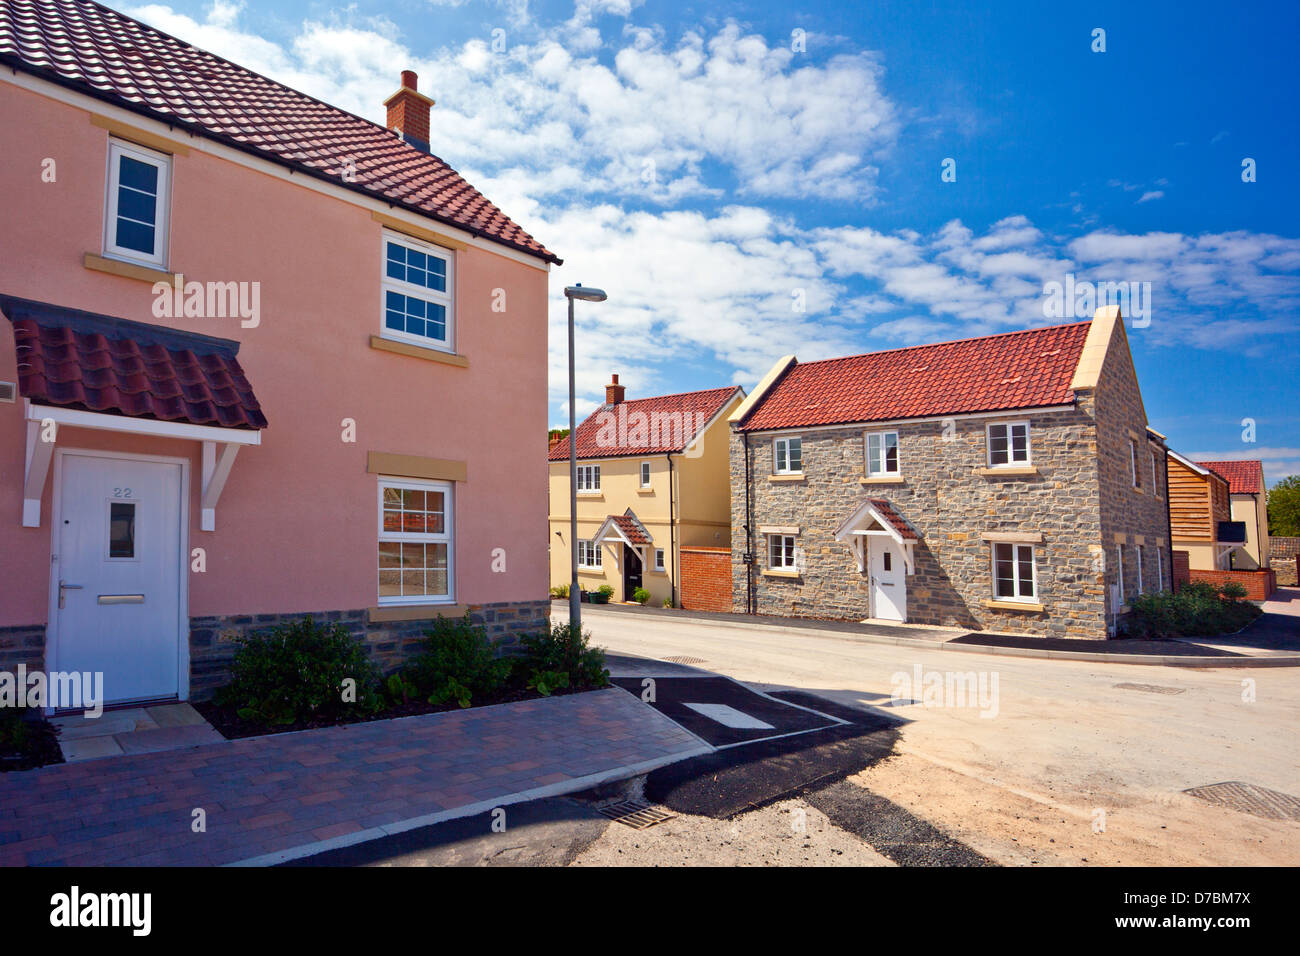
[(575, 594)]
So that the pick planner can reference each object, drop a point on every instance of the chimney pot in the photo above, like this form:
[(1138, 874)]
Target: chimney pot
[(614, 391), (410, 80)]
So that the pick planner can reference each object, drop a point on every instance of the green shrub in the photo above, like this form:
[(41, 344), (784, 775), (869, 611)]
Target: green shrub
[(606, 589), (564, 650), (601, 595), (640, 595), (297, 672), (668, 602), (458, 662), (14, 735), (1197, 610), (560, 591), (1233, 592)]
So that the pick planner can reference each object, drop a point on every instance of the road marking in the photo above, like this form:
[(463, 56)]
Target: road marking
[(729, 716)]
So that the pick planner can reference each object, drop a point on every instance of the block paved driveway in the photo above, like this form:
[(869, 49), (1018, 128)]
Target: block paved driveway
[(266, 795)]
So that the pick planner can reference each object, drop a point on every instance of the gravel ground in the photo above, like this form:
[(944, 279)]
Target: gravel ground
[(788, 833)]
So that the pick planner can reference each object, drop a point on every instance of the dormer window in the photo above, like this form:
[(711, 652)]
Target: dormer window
[(1008, 444), (136, 215)]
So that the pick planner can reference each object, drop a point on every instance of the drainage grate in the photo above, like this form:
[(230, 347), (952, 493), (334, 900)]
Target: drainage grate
[(1248, 798), (635, 814), (685, 660), (1152, 688)]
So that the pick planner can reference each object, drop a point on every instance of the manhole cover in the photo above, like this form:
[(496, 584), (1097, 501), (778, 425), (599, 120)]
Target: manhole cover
[(685, 660), (1152, 688), (636, 815), (1248, 798)]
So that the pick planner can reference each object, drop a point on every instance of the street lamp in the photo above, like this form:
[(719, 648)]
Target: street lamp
[(575, 595)]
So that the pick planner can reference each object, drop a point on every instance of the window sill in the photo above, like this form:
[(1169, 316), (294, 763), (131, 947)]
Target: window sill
[(645, 491), (791, 477), (1007, 471), (130, 270), (593, 571), (775, 573), (416, 612), (418, 351), (882, 480), (591, 495), (1032, 607)]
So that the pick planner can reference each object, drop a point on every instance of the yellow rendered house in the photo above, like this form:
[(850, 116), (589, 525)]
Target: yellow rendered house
[(653, 477)]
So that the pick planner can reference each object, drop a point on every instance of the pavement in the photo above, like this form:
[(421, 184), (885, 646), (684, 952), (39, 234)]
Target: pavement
[(264, 800), (1067, 761)]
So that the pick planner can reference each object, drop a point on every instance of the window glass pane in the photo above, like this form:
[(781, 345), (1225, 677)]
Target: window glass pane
[(390, 583), (134, 235), (1026, 571), (998, 444), (390, 553), (121, 530), (137, 206), (780, 455), (1020, 443), (137, 175), (891, 451), (796, 454), (888, 561), (1004, 583)]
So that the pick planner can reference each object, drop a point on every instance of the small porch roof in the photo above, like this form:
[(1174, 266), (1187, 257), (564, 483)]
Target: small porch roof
[(878, 516), (84, 370)]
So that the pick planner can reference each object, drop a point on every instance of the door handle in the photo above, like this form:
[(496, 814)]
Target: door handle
[(63, 586)]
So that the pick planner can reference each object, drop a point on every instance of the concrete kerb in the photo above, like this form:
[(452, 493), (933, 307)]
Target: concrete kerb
[(1164, 660)]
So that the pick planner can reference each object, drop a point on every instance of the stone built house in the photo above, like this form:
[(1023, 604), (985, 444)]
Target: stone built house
[(340, 435), (1005, 483), (652, 486)]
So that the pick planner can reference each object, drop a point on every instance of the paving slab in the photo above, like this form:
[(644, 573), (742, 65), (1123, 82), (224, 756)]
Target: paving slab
[(140, 809)]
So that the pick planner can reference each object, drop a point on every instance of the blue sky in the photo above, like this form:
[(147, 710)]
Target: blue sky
[(715, 170)]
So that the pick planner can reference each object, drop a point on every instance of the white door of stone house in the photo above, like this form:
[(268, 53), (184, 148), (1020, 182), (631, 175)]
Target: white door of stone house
[(115, 588), (888, 583)]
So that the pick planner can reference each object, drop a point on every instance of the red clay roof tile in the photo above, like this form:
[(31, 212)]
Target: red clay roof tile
[(645, 426), (81, 360), (1243, 477), (1006, 371), (105, 54)]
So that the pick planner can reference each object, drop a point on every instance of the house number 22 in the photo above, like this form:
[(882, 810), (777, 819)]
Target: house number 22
[(121, 492)]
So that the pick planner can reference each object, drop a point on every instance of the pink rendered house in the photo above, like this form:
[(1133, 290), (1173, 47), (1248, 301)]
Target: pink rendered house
[(259, 358)]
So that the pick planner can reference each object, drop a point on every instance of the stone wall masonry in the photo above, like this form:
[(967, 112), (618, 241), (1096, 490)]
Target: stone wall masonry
[(950, 507), (390, 644), (22, 645), (1130, 516), (1284, 556)]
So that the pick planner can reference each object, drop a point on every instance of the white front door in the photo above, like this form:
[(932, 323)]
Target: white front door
[(888, 584), (115, 581)]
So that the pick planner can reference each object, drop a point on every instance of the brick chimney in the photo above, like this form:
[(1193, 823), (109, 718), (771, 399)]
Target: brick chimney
[(408, 112), (614, 391)]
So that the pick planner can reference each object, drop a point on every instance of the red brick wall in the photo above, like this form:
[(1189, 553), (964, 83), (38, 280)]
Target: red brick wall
[(1259, 585), (706, 579), (1181, 573)]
